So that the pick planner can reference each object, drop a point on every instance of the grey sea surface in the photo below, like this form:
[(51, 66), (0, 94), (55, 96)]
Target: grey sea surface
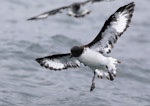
[(23, 82)]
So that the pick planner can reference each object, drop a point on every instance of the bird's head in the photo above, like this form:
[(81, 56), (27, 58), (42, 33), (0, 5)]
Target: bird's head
[(75, 7), (76, 51)]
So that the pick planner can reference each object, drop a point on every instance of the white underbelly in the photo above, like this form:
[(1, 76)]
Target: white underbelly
[(93, 59)]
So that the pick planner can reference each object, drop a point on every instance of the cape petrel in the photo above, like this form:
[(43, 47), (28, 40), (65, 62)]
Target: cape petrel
[(92, 54), (75, 10)]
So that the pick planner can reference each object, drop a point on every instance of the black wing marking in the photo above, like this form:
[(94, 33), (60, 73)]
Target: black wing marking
[(113, 28), (84, 2), (48, 13), (93, 1), (58, 62)]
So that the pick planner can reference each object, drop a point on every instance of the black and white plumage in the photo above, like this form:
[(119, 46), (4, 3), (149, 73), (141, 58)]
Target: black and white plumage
[(59, 62), (112, 29), (75, 10), (102, 66)]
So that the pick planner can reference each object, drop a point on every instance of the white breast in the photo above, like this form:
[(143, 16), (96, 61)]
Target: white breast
[(79, 13), (93, 59)]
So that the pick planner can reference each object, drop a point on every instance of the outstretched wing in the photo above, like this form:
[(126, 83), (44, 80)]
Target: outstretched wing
[(113, 28), (58, 62), (48, 13)]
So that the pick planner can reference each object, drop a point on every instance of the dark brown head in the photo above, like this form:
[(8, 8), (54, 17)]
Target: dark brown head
[(75, 7), (76, 51)]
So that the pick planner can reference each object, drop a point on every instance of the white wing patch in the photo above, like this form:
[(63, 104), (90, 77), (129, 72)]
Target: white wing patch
[(49, 63), (121, 21), (42, 16)]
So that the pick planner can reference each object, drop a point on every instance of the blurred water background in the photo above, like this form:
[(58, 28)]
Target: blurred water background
[(23, 82)]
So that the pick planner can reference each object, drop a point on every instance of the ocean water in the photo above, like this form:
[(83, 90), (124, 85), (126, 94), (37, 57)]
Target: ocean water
[(23, 82)]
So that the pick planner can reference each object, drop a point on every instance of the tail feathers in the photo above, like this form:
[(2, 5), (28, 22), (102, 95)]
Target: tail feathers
[(119, 62), (112, 64), (112, 69), (101, 74)]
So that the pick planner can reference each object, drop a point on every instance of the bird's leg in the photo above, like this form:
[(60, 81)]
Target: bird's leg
[(93, 83), (110, 76)]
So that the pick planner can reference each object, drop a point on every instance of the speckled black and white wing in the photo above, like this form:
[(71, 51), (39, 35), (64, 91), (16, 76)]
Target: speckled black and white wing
[(113, 29), (48, 13), (58, 62)]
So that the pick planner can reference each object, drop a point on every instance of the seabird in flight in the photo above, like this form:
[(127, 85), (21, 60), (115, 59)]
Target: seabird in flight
[(75, 10), (93, 53)]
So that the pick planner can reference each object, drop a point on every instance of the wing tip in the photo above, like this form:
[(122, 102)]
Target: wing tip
[(130, 7), (131, 4), (34, 18), (39, 60), (29, 19)]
